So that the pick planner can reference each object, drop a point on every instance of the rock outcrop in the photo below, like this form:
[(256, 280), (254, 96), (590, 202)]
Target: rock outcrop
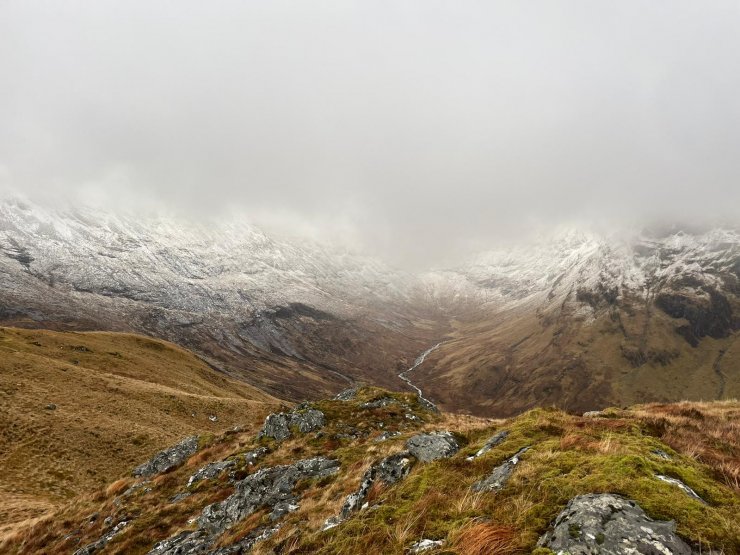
[(169, 458), (103, 541), (212, 470), (490, 444), (501, 474), (433, 446), (270, 487), (680, 485), (390, 470), (304, 419), (607, 523)]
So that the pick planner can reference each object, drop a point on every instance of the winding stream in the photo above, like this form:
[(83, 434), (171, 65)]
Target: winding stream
[(418, 362)]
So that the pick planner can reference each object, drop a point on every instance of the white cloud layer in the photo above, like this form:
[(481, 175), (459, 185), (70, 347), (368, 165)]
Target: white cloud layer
[(416, 128)]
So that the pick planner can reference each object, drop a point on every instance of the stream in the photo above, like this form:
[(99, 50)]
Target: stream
[(418, 362)]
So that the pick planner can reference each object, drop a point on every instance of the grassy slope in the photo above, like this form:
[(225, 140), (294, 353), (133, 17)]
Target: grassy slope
[(119, 397), (570, 455), (523, 358)]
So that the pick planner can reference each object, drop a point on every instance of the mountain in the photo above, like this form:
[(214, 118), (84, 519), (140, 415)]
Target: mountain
[(297, 319), (79, 409), (373, 471), (582, 321), (577, 319)]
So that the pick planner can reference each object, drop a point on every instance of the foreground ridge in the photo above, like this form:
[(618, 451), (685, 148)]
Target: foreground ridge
[(373, 471)]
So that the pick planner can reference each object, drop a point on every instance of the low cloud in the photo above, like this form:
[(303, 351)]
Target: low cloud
[(415, 130)]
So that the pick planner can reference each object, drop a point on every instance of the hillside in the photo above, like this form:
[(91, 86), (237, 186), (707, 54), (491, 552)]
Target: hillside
[(376, 472), (583, 321), (78, 409)]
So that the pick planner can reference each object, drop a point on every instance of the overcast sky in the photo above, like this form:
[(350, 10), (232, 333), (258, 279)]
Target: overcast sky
[(416, 129)]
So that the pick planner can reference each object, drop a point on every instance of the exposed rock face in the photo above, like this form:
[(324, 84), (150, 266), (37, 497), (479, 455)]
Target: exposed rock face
[(210, 471), (500, 475), (270, 487), (610, 524), (245, 545), (390, 470), (169, 458), (709, 313), (103, 541), (278, 425), (490, 444), (430, 447)]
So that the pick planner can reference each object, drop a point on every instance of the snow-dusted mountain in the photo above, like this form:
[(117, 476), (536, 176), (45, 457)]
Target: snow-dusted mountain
[(582, 319), (300, 318), (227, 290)]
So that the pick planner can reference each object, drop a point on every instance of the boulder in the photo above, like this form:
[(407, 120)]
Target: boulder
[(169, 458), (610, 524), (278, 425), (433, 446), (500, 475)]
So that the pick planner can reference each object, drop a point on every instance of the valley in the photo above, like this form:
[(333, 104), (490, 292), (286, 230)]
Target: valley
[(577, 319)]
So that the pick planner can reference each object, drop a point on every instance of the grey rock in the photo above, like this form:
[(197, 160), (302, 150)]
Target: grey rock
[(210, 471), (269, 487), (245, 545), (389, 470), (103, 540), (278, 425), (611, 525), (382, 402), (51, 406), (501, 474), (433, 446), (169, 458), (592, 414), (347, 394), (661, 454), (490, 444), (425, 545), (679, 484), (385, 436), (185, 543)]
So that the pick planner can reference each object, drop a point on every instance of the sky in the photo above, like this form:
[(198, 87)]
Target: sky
[(416, 130)]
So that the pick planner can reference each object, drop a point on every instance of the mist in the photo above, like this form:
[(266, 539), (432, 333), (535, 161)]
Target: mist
[(412, 130)]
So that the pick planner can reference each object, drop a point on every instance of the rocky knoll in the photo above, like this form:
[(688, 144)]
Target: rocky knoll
[(545, 482)]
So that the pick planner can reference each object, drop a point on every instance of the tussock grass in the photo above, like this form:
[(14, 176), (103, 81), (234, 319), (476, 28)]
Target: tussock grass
[(569, 455)]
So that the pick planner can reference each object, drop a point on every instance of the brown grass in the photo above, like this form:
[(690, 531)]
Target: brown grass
[(119, 399), (707, 432), (485, 538)]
